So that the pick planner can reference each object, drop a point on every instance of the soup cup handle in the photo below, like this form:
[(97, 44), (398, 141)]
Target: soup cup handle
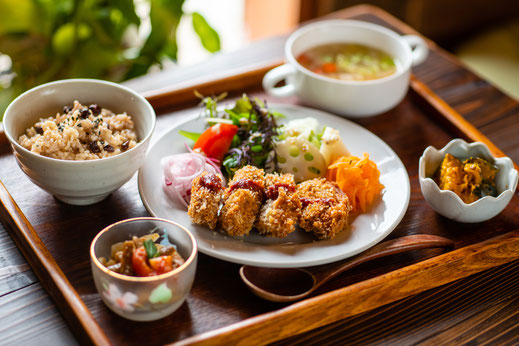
[(275, 76), (419, 48)]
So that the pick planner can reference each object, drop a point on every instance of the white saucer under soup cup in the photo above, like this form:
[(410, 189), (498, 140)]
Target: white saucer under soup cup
[(349, 98)]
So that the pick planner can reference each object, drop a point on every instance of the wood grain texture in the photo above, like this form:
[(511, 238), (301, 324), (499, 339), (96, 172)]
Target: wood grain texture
[(15, 272), (445, 114), (36, 322), (452, 314), (481, 104), (367, 295), (218, 299), (48, 272), (272, 283), (166, 98)]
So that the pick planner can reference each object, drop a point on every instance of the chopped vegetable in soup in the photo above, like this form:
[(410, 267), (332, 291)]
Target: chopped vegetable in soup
[(346, 61), (143, 257)]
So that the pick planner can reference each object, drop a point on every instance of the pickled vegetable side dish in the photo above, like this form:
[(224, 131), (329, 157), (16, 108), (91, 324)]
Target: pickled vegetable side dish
[(142, 257), (347, 61), (470, 179)]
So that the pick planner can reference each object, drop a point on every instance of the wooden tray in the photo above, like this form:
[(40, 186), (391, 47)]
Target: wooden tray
[(55, 237)]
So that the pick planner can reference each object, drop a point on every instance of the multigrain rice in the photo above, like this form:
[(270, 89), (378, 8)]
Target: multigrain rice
[(81, 133)]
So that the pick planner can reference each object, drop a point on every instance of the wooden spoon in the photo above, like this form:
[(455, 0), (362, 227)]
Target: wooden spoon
[(290, 284)]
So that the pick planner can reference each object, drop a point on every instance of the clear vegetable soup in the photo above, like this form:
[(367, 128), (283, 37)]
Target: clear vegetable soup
[(347, 61)]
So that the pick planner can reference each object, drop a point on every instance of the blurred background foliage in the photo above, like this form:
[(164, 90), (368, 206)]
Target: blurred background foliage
[(54, 39)]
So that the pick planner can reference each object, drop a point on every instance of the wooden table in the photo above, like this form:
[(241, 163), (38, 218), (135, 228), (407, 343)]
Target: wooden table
[(481, 308)]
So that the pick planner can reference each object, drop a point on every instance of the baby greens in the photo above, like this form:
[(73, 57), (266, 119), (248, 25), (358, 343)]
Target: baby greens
[(253, 144)]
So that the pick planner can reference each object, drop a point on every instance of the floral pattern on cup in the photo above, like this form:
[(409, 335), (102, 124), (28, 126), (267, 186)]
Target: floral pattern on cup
[(160, 294), (122, 301)]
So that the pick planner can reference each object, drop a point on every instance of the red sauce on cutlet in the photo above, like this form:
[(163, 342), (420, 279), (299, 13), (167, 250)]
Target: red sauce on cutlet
[(211, 182), (305, 201), (246, 184), (273, 190)]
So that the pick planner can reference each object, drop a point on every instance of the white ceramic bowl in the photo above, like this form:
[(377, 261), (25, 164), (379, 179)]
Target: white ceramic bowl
[(78, 182), (350, 98), (144, 298), (450, 205)]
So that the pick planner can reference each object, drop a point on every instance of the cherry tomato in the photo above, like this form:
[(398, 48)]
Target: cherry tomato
[(216, 140), (140, 266), (162, 264)]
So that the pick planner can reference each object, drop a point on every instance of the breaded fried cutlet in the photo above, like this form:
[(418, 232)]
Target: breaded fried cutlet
[(242, 201), (325, 208), (251, 173), (206, 195), (281, 211)]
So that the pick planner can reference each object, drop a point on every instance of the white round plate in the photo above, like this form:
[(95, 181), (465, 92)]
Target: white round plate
[(299, 249)]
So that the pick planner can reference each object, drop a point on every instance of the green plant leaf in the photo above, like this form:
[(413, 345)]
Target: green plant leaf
[(278, 115), (18, 16), (208, 36), (56, 39), (95, 61), (63, 40), (127, 8), (51, 14), (164, 16), (171, 49)]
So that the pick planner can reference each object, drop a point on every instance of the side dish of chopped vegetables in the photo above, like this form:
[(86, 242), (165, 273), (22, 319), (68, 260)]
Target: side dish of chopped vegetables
[(470, 179), (358, 178), (142, 257)]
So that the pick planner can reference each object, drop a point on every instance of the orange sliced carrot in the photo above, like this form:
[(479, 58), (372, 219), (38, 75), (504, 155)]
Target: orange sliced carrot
[(358, 178), (329, 67)]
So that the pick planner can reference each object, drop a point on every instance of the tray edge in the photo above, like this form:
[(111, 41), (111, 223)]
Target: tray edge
[(342, 303), (87, 326), (52, 278)]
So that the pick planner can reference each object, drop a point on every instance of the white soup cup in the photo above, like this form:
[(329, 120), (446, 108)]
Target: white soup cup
[(350, 98)]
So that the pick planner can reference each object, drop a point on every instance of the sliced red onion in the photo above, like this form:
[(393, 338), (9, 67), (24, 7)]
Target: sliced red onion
[(179, 172)]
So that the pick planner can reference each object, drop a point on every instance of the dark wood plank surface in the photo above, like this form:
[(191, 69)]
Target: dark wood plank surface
[(484, 310), (407, 129)]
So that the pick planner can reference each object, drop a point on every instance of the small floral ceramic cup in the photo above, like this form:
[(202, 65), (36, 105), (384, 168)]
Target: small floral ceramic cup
[(144, 298)]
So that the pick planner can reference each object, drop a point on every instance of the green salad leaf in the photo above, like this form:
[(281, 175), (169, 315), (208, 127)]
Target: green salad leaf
[(254, 142), (190, 135)]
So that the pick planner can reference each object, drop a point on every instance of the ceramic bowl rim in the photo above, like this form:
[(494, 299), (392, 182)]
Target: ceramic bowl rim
[(160, 277), (143, 141)]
